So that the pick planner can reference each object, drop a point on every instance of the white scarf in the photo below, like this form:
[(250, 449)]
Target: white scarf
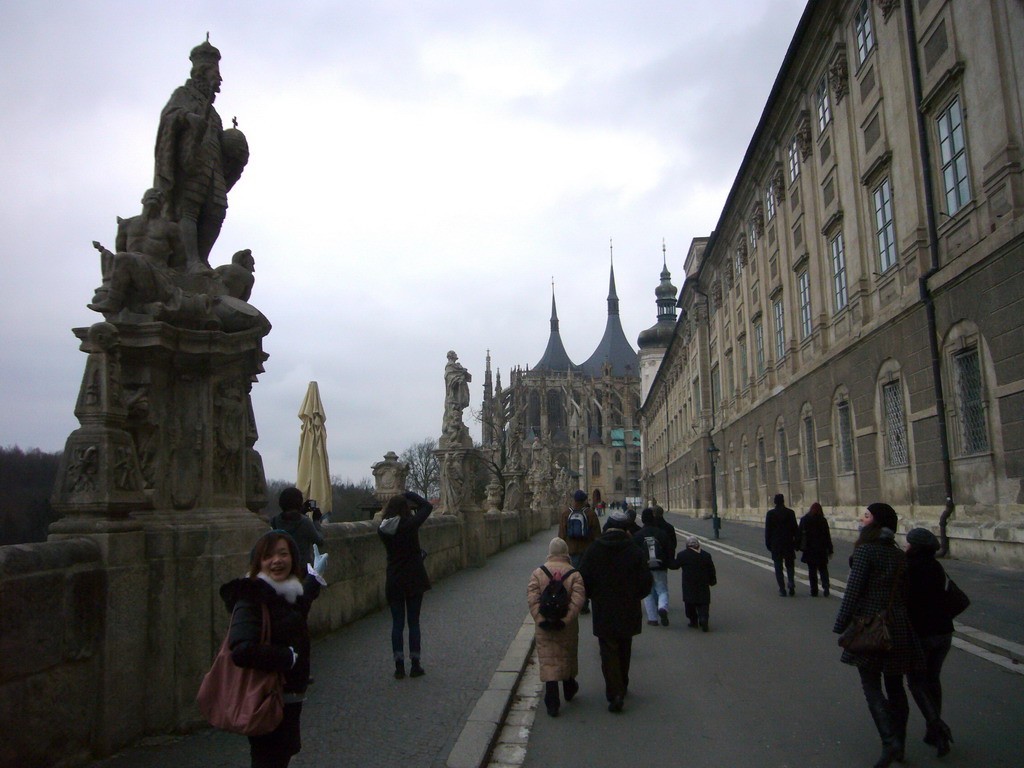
[(290, 589)]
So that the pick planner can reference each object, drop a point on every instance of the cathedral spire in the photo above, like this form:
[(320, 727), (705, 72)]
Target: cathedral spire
[(613, 297), (555, 357)]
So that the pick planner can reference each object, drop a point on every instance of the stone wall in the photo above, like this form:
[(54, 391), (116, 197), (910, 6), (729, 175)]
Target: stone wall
[(107, 637)]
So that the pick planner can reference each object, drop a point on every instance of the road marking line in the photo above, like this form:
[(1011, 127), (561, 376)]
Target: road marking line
[(965, 637)]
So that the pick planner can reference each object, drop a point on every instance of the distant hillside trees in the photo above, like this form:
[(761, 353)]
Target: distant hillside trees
[(348, 499), (26, 482)]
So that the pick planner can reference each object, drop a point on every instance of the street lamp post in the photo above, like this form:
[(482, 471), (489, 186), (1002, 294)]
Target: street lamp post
[(716, 521)]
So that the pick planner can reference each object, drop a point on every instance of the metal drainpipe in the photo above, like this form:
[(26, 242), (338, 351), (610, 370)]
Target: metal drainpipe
[(926, 297)]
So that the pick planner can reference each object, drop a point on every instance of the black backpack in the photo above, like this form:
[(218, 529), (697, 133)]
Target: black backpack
[(554, 600)]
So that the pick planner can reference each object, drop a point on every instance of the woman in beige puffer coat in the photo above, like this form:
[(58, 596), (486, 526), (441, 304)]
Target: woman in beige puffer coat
[(557, 648)]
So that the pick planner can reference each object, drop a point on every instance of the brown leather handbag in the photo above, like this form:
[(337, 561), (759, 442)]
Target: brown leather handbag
[(242, 699), (872, 634)]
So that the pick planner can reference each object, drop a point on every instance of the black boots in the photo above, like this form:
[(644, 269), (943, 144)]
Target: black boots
[(883, 722), (399, 669), (416, 670), (939, 736)]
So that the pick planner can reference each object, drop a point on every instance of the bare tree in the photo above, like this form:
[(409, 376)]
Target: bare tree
[(424, 469)]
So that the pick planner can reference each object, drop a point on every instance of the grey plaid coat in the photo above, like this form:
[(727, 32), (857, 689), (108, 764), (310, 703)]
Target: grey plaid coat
[(873, 568)]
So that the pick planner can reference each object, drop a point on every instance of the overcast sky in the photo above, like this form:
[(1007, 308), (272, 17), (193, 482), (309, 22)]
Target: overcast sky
[(419, 173)]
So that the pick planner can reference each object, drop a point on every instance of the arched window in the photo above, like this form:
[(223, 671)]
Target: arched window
[(808, 441), (782, 452), (618, 483), (618, 457), (893, 416), (533, 414), (842, 432), (595, 465), (968, 408)]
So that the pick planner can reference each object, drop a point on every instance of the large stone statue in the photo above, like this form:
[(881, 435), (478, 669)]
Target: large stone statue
[(197, 161), (456, 399)]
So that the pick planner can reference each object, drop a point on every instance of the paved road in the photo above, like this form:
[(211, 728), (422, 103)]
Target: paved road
[(357, 714), (765, 687)]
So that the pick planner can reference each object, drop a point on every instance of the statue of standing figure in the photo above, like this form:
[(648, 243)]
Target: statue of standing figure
[(197, 161), (456, 399)]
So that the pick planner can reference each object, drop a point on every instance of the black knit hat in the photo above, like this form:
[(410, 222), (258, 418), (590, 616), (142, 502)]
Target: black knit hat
[(922, 538), (885, 516)]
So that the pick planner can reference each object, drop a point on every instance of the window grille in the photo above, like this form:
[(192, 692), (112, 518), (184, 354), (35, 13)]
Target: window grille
[(804, 289), (895, 426), (783, 459), (884, 227), (838, 271), (810, 448), (780, 329), (953, 152), (970, 404), (864, 31), (845, 436), (752, 481), (762, 461)]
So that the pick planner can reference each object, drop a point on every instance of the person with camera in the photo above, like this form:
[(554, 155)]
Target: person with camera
[(294, 522)]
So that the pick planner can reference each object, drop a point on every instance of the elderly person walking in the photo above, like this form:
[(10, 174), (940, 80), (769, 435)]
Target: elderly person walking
[(698, 578), (557, 639)]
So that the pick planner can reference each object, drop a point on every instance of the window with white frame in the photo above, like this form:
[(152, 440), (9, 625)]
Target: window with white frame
[(838, 271), (753, 238), (810, 448), (803, 284), (824, 104), (759, 346), (769, 202), (794, 160), (779, 313), (863, 30), (844, 424), (895, 436), (953, 153), (970, 402), (884, 234), (782, 449)]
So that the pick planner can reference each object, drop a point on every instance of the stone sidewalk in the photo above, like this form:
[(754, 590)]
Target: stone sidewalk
[(356, 713)]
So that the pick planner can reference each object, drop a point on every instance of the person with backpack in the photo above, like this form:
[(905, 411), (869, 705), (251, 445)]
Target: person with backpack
[(655, 543), (578, 526), (556, 596)]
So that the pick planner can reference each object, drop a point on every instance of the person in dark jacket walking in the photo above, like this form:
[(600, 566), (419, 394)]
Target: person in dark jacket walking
[(582, 533), (274, 581), (656, 544), (816, 545), (292, 521), (665, 525), (780, 538), (877, 582), (616, 578), (698, 577), (926, 607), (406, 575)]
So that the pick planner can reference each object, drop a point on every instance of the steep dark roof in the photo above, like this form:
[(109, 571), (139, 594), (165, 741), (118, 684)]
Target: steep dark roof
[(613, 348), (555, 358)]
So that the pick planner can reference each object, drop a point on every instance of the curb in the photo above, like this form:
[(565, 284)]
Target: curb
[(474, 744)]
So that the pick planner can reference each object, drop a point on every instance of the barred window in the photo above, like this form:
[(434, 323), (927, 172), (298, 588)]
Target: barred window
[(970, 404), (824, 104), (794, 159), (780, 328), (783, 455), (730, 380), (845, 445), (803, 281), (762, 461), (864, 31), (953, 152), (810, 449), (895, 425), (838, 271), (883, 226)]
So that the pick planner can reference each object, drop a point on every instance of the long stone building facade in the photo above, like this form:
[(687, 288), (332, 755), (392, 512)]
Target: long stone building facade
[(851, 331)]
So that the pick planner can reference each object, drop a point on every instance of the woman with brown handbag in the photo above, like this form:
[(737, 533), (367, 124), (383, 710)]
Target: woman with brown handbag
[(274, 582), (876, 584)]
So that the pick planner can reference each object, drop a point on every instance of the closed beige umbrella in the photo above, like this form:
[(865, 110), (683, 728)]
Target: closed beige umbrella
[(314, 472)]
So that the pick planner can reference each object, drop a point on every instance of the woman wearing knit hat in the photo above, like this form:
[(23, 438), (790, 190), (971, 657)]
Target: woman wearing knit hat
[(558, 639), (876, 583), (926, 607)]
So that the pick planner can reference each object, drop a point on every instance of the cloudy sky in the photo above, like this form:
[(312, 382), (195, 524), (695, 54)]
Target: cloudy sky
[(419, 173)]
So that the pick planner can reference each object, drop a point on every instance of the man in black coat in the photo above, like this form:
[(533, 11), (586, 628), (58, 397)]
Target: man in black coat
[(616, 577), (781, 534), (698, 578)]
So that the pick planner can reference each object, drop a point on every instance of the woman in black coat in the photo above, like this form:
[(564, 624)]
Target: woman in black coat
[(877, 581), (926, 607), (406, 575), (816, 545), (274, 581)]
